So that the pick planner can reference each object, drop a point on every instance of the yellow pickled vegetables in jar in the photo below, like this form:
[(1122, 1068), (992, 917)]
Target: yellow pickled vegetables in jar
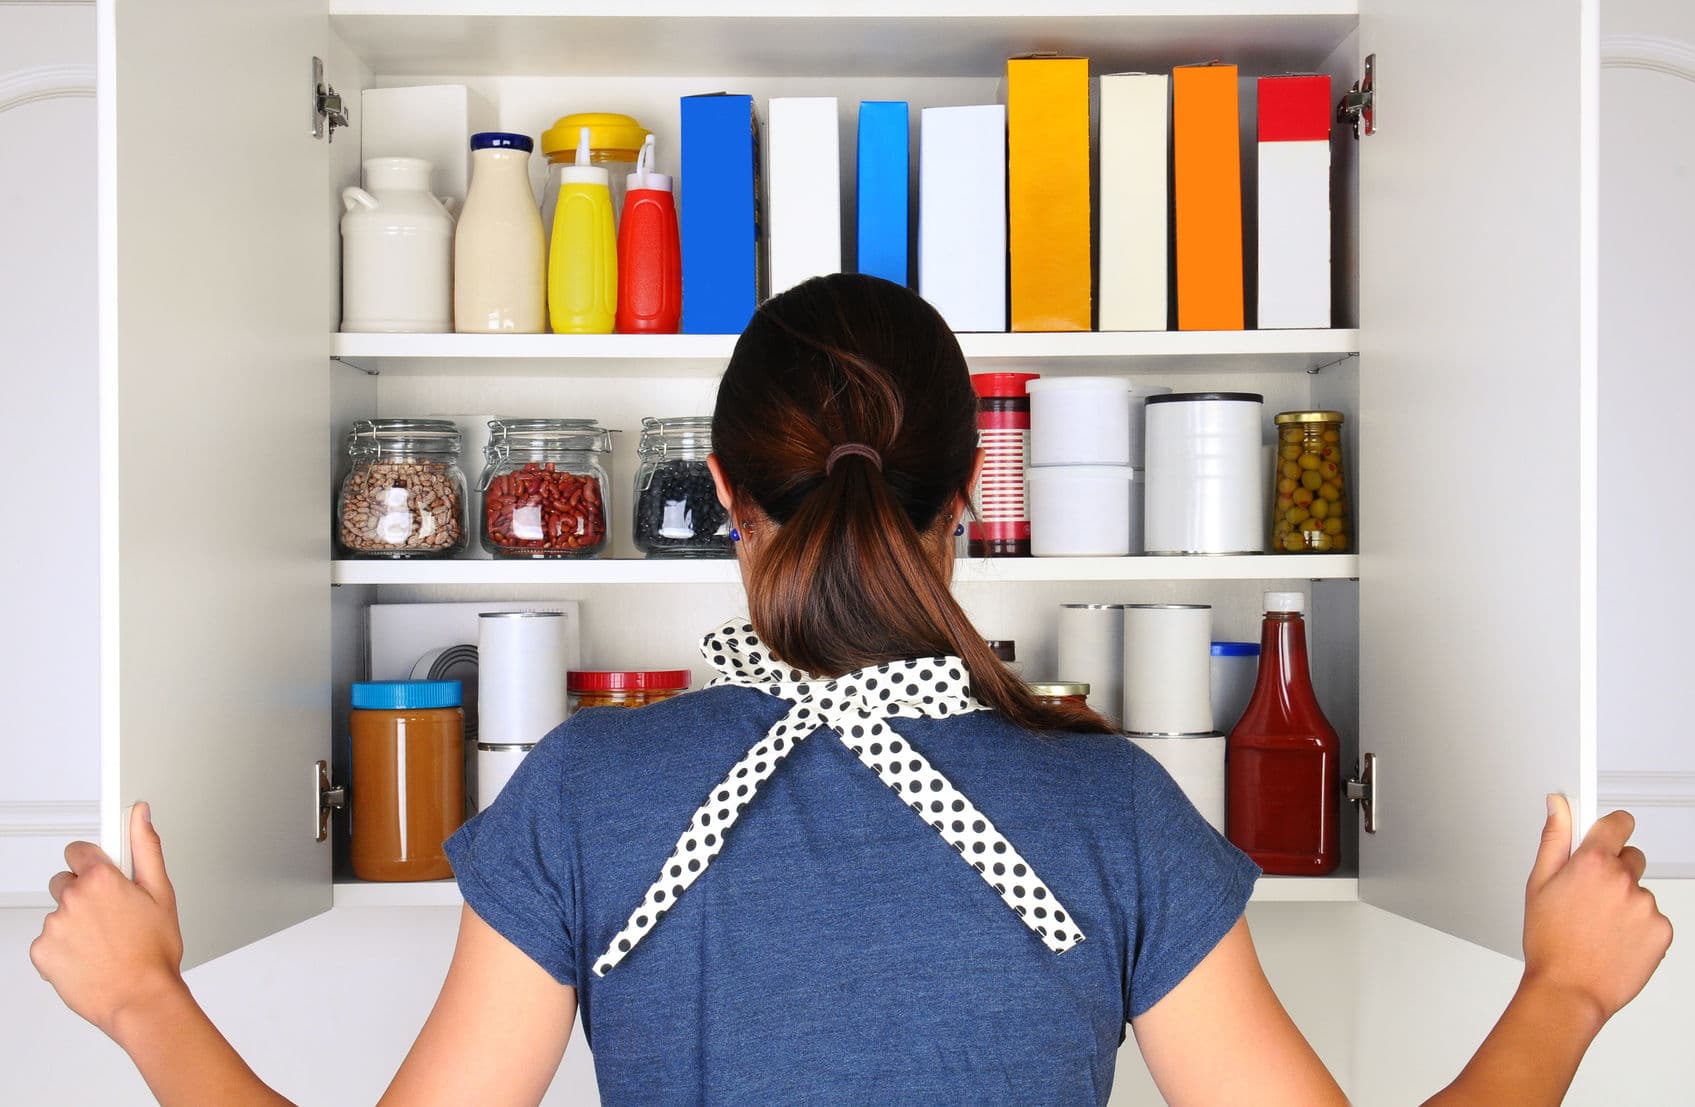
[(1310, 510)]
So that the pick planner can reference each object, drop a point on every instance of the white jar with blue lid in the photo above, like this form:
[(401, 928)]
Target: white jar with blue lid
[(1235, 669)]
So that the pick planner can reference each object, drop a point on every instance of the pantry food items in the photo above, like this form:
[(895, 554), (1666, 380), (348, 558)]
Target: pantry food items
[(1085, 511), (1309, 494), (545, 488), (1205, 473), (499, 254), (408, 786), (1167, 655), (627, 688), (396, 252), (677, 513), (1058, 693), (614, 143), (582, 257), (404, 495), (1091, 651), (1002, 525)]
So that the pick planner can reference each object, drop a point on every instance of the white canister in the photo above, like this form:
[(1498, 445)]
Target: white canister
[(1091, 651), (1079, 421), (1080, 510), (1139, 394), (396, 252), (1234, 672), (499, 254), (496, 762), (1206, 486), (520, 675), (1167, 662), (1196, 764)]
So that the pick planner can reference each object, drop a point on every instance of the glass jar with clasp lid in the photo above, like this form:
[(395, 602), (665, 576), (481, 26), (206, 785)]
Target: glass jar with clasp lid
[(404, 495), (544, 487), (677, 513)]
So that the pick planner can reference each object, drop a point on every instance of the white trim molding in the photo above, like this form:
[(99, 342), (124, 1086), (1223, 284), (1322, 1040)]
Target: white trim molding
[(1647, 789), (45, 82), (1661, 55), (64, 820)]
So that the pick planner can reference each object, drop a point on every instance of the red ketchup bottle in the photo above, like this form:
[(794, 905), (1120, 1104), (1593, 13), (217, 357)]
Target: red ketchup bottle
[(650, 260), (1282, 759)]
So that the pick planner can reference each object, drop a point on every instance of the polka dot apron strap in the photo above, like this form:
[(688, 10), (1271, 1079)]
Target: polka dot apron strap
[(857, 708)]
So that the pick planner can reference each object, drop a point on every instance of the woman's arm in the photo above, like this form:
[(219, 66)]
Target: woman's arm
[(113, 951)]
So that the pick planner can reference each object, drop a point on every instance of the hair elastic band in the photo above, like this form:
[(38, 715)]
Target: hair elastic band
[(846, 448)]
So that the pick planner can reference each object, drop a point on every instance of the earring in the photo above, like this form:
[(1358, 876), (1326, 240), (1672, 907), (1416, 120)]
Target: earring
[(959, 530), (735, 535)]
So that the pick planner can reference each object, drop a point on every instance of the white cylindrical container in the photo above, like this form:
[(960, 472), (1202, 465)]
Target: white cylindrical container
[(520, 675), (499, 255), (1079, 421), (396, 252), (1205, 472), (1091, 651), (1139, 394), (1234, 671), (1167, 656), (1196, 764), (473, 442), (496, 762), (1080, 511)]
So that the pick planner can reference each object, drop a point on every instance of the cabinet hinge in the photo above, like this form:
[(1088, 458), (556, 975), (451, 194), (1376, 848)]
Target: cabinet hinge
[(1362, 792), (328, 111), (326, 797), (1355, 108)]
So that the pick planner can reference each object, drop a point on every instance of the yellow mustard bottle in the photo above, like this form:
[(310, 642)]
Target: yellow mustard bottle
[(582, 261)]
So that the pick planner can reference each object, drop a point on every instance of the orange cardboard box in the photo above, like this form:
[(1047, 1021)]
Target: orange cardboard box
[(1047, 134), (1206, 158)]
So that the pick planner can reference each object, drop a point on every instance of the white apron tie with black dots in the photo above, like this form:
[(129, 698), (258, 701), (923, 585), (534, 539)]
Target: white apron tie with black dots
[(856, 707)]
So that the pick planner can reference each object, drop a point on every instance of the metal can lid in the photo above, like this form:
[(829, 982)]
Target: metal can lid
[(1284, 418), (1055, 689)]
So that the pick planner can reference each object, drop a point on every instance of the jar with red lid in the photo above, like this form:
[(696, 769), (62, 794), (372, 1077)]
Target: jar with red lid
[(623, 688), (1002, 524)]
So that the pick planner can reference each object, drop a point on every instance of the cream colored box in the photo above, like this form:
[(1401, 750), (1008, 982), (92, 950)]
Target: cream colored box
[(1135, 139)]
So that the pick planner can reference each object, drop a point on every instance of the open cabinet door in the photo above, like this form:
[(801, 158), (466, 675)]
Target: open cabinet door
[(1477, 448), (214, 285)]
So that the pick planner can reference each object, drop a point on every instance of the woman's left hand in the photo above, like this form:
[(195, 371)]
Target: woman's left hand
[(113, 945)]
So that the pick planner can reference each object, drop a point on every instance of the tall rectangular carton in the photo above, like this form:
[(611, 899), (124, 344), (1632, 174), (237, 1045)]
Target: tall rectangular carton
[(1294, 201), (1047, 135), (1135, 245), (962, 215), (803, 188), (1207, 176), (718, 213), (884, 208)]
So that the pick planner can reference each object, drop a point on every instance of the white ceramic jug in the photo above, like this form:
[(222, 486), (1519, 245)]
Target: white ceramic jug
[(396, 252)]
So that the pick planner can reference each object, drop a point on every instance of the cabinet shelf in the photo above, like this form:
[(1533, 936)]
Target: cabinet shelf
[(1026, 570), (878, 38), (445, 893), (668, 355)]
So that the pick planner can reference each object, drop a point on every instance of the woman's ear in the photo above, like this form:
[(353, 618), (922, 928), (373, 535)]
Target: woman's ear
[(727, 497)]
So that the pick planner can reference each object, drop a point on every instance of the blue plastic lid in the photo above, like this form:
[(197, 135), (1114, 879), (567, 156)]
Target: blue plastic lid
[(1235, 649), (406, 695), (503, 140)]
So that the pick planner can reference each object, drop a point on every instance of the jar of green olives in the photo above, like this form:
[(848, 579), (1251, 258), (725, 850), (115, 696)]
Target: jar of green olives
[(1310, 512)]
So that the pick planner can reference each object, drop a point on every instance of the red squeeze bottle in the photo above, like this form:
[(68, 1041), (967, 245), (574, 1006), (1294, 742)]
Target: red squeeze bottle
[(1282, 759), (650, 260)]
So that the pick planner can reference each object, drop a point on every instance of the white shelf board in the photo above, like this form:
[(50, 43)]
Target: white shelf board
[(445, 893), (822, 38), (663, 355), (1028, 570)]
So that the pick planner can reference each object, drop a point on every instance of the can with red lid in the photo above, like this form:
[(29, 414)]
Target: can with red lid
[(623, 688), (1002, 526)]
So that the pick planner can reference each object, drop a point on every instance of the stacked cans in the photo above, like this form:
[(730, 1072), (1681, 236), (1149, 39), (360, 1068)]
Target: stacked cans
[(1086, 454), (521, 691), (1168, 698)]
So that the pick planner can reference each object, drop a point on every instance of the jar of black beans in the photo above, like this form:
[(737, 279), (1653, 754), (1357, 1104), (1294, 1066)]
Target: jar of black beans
[(677, 508)]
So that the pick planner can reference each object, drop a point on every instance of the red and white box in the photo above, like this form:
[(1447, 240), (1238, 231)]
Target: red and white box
[(1294, 202)]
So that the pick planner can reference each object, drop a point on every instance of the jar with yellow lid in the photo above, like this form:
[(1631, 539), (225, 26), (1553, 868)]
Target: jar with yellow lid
[(1057, 693), (1310, 512), (614, 142)]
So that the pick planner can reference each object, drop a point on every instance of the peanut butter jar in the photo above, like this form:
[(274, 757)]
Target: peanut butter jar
[(408, 787)]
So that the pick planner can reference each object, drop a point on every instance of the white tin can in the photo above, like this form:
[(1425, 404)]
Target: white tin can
[(521, 670), (1196, 764), (1091, 651), (1079, 421), (1167, 663), (1081, 511), (1205, 473)]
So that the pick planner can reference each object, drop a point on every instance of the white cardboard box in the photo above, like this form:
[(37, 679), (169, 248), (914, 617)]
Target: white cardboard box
[(433, 122), (1135, 138), (803, 186), (1294, 234), (962, 215)]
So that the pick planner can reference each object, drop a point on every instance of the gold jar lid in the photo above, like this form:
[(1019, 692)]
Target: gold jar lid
[(1054, 689), (1285, 418)]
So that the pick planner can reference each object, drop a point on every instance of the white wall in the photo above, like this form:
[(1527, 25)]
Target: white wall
[(49, 605)]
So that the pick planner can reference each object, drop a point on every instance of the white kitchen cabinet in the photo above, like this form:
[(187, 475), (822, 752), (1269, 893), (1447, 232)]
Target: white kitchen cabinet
[(1465, 273)]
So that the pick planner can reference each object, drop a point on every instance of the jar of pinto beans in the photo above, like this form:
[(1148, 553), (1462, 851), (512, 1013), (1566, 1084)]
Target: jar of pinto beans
[(545, 488)]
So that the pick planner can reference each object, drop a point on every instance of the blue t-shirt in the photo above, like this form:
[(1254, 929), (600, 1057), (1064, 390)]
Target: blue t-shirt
[(838, 950)]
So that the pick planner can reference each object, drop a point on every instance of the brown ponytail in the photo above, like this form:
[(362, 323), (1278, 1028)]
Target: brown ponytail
[(847, 569)]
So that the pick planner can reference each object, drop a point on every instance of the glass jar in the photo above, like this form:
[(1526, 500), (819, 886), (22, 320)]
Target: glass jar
[(677, 513), (1059, 693), (632, 688), (1309, 492), (408, 786), (404, 495), (545, 488), (615, 141)]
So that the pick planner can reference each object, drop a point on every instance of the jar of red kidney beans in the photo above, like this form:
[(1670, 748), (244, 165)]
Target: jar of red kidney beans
[(545, 488)]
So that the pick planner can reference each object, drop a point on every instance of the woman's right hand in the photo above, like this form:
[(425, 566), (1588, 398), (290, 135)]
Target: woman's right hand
[(1590, 929)]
